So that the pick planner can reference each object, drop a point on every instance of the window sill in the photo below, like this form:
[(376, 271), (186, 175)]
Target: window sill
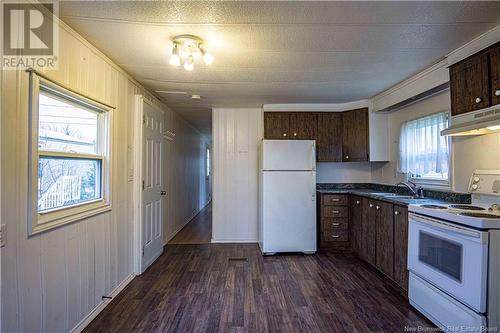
[(51, 220), (432, 184)]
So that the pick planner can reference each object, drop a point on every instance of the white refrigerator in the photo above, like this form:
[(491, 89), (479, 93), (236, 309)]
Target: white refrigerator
[(287, 196)]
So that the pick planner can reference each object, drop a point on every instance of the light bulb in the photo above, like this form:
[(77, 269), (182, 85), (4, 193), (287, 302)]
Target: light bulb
[(207, 57), (175, 60), (189, 63)]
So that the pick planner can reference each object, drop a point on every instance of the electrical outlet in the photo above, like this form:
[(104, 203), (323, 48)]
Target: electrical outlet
[(3, 235)]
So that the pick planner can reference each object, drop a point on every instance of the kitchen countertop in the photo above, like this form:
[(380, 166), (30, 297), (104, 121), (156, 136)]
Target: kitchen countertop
[(373, 194)]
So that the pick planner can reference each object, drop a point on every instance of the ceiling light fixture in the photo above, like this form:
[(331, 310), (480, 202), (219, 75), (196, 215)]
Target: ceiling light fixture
[(187, 49)]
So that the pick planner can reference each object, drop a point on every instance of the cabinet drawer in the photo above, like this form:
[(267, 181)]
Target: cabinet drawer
[(335, 211), (335, 236), (335, 224), (334, 200)]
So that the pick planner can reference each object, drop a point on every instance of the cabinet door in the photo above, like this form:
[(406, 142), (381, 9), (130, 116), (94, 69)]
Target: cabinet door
[(469, 84), (303, 125), (276, 125), (356, 217), (384, 231), (329, 137), (401, 246), (368, 231), (495, 74), (355, 135)]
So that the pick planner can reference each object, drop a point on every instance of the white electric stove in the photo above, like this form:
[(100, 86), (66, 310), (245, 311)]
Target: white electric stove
[(454, 258)]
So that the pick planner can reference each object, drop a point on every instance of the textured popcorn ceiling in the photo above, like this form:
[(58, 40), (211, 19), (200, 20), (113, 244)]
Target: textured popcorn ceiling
[(278, 52)]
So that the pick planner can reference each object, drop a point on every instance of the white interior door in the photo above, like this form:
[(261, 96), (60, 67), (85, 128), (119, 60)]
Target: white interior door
[(152, 186)]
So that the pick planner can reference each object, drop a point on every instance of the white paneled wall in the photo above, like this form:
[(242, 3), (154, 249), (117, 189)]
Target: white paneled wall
[(52, 281), (184, 163), (236, 133)]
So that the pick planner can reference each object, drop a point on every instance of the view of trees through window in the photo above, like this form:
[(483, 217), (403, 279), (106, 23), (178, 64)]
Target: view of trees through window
[(67, 128)]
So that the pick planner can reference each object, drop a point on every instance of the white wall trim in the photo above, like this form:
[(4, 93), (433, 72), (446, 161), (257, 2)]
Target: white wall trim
[(479, 43), (98, 309), (137, 185), (320, 107)]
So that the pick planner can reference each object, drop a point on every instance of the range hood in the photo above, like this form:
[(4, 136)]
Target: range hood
[(479, 122)]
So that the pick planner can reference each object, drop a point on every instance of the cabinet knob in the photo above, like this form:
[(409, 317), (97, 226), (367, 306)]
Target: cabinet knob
[(371, 205), (346, 157), (396, 212), (284, 134), (358, 202), (294, 134), (497, 92), (478, 100), (378, 207)]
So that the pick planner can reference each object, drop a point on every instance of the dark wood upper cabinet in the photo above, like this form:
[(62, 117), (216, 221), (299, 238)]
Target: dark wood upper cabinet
[(401, 246), (276, 125), (384, 231), (303, 125), (355, 135), (495, 73), (469, 85), (329, 137)]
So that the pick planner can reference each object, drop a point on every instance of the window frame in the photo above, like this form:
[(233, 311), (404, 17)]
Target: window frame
[(429, 182), (52, 218)]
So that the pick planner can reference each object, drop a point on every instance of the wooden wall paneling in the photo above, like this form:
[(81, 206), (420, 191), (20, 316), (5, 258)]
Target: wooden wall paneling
[(235, 171), (73, 274), (54, 281)]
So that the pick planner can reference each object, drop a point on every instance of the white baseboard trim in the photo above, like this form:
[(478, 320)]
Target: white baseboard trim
[(91, 316), (234, 240)]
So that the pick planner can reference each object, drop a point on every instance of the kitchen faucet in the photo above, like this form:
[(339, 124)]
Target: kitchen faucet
[(417, 190)]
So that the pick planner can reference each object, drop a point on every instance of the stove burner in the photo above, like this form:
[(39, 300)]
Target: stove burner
[(466, 207), (483, 215), (433, 206)]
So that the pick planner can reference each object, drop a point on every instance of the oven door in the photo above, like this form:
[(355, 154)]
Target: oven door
[(451, 257)]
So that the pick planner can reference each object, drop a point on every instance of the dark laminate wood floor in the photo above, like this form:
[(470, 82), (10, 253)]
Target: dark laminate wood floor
[(196, 288), (198, 230)]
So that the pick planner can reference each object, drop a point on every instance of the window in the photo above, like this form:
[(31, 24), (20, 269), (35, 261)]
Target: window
[(424, 153), (69, 156)]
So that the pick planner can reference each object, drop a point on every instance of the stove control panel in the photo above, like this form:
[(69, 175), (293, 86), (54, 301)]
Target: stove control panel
[(485, 182)]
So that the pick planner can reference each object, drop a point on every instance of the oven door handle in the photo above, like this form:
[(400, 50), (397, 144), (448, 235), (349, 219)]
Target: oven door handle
[(471, 233)]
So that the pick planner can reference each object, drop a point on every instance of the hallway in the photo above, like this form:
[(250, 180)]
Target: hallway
[(198, 230)]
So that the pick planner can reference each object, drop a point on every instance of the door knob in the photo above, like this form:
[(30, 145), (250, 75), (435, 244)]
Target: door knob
[(163, 193), (478, 100)]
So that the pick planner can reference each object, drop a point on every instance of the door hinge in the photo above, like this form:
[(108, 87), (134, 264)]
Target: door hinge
[(143, 252), (143, 186), (143, 119)]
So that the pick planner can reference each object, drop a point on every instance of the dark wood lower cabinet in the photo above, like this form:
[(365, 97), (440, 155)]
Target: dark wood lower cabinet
[(401, 246), (384, 238), (377, 231)]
